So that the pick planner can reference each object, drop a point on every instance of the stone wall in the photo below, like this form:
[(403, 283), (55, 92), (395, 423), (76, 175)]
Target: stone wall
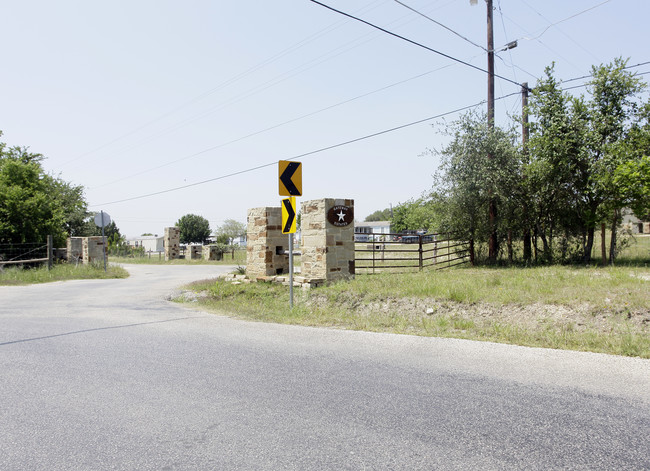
[(266, 242), (212, 252), (92, 249), (193, 252), (172, 242), (327, 249), (74, 249)]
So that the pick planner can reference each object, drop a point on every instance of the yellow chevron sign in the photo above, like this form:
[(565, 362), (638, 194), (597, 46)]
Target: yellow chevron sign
[(290, 178), (289, 215)]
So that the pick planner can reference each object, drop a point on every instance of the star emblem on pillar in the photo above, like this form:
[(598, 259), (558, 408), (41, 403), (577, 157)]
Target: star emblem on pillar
[(341, 216)]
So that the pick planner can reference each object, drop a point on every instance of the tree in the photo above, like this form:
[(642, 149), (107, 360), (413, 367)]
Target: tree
[(583, 153), (416, 214), (558, 171), (229, 230), (193, 229), (34, 204), (614, 117), (467, 180), (380, 215), (111, 231)]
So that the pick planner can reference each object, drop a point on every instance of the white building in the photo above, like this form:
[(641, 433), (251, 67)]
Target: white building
[(363, 230), (149, 243)]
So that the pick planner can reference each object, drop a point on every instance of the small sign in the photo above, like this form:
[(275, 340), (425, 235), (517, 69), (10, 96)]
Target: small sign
[(289, 215), (290, 182), (102, 219), (340, 216)]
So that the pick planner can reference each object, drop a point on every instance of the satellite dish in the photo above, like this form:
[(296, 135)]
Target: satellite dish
[(102, 219)]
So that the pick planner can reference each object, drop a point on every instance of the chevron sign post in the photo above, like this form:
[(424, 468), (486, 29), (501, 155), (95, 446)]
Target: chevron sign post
[(290, 184)]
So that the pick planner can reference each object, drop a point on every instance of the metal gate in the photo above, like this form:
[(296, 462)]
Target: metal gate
[(375, 253)]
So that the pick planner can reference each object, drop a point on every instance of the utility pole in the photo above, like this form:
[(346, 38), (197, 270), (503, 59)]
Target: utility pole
[(525, 131), (493, 246)]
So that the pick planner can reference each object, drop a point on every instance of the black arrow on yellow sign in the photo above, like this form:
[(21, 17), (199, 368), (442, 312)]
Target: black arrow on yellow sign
[(290, 178), (289, 215)]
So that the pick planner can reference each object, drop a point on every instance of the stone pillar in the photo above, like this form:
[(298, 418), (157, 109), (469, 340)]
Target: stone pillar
[(266, 243), (92, 249), (327, 228), (193, 252), (212, 252), (74, 249), (172, 242)]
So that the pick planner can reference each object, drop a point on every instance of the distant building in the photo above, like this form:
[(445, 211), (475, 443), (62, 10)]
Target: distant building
[(239, 240), (634, 224), (363, 230), (149, 243)]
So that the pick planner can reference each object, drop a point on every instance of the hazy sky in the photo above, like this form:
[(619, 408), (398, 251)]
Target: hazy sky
[(129, 98)]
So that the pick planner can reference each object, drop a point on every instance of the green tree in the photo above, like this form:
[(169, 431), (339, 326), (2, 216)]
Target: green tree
[(413, 215), (193, 229), (380, 215), (229, 230), (34, 204), (614, 118), (467, 179), (111, 231), (558, 171)]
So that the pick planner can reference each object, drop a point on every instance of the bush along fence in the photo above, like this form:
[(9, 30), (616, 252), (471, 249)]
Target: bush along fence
[(27, 254), (379, 252)]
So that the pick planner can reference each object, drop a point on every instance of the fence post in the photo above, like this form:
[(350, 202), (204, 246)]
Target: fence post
[(448, 250), (471, 251), (50, 252), (420, 261)]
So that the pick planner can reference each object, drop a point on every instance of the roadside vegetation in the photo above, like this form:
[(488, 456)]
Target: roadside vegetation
[(603, 310), (59, 272)]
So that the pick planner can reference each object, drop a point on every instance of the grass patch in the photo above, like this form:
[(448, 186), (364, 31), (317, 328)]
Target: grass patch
[(59, 272), (588, 309)]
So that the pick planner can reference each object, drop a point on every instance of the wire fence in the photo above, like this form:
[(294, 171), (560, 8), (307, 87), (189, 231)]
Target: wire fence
[(20, 254)]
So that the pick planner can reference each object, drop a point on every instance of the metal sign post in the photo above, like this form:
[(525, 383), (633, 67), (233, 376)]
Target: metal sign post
[(102, 220), (289, 227), (291, 271)]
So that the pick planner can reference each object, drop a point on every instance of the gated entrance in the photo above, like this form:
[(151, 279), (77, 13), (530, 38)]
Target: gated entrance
[(381, 252)]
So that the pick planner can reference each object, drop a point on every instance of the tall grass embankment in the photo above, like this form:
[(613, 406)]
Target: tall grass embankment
[(589, 309)]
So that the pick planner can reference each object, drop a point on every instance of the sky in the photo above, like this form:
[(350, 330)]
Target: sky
[(165, 108)]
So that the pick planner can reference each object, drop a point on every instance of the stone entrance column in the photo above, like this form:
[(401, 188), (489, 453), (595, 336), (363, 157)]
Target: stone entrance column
[(327, 227), (172, 243), (92, 249), (266, 243)]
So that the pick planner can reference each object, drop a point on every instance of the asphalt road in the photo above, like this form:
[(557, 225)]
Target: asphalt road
[(108, 375)]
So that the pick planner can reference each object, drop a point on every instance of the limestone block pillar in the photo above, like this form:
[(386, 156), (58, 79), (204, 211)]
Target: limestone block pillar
[(92, 249), (193, 252), (327, 228), (74, 249), (266, 243), (212, 252), (172, 242)]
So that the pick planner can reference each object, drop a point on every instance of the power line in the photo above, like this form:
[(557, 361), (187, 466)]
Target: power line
[(414, 42), (440, 24), (589, 76), (270, 128), (222, 85), (562, 20), (306, 154)]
